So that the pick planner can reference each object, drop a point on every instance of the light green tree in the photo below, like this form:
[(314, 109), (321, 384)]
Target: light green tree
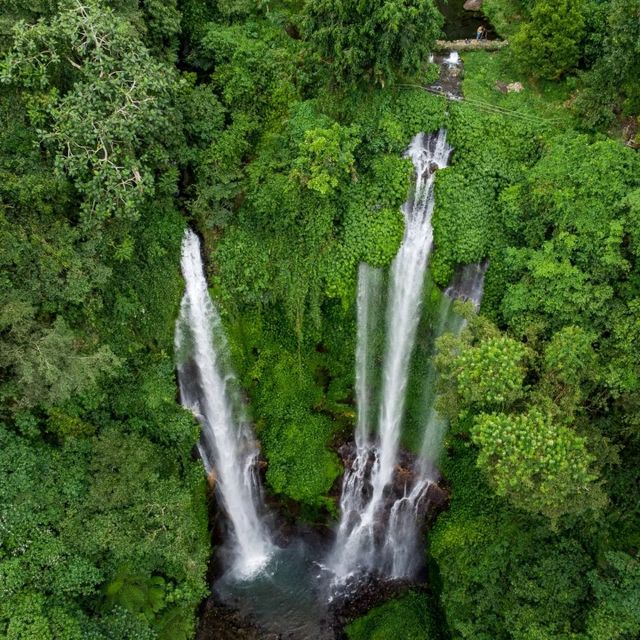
[(540, 466)]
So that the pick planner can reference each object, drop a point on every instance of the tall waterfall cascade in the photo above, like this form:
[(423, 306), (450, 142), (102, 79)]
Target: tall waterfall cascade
[(362, 529), (401, 546), (207, 388)]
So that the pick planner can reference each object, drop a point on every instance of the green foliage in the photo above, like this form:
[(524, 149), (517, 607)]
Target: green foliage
[(48, 364), (505, 15), (71, 520), (374, 42), (405, 618), (571, 371), (294, 432), (144, 597), (467, 221), (617, 590), (534, 459), (105, 145), (576, 265), (504, 575), (90, 290), (597, 39), (101, 98), (557, 221), (541, 467), (485, 376), (611, 84), (548, 46), (325, 156), (300, 466)]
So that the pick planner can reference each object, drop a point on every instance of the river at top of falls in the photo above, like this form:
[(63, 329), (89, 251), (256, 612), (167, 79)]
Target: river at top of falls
[(227, 446), (361, 526)]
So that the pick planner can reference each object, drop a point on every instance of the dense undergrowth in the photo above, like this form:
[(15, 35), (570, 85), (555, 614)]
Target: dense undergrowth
[(124, 121)]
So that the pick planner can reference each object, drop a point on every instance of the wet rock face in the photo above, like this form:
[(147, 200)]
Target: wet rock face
[(404, 477), (220, 622), (449, 80)]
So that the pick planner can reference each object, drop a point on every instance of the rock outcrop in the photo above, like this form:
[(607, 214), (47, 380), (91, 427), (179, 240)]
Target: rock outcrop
[(404, 476)]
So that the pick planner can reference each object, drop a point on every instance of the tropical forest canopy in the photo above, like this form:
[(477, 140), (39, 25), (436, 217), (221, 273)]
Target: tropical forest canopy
[(276, 129)]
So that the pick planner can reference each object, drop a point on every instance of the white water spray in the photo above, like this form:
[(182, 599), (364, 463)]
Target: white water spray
[(453, 60), (227, 446), (361, 531), (400, 550)]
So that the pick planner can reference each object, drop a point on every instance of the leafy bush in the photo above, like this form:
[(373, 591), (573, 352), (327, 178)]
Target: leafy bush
[(406, 618)]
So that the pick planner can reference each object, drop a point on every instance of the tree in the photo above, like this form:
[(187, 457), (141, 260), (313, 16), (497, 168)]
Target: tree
[(101, 101), (505, 575), (541, 467), (372, 41), (611, 85), (325, 158), (487, 375), (548, 45), (479, 370), (49, 364), (616, 586)]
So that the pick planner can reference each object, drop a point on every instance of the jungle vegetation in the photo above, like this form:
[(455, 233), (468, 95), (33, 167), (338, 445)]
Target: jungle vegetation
[(276, 129)]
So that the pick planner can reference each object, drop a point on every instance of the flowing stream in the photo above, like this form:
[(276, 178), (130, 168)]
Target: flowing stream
[(207, 387), (362, 526)]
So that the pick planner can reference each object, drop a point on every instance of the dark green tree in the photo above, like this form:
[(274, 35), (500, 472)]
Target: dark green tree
[(611, 86), (372, 42), (548, 45)]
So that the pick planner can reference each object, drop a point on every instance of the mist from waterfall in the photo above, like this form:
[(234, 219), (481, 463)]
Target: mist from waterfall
[(362, 526), (401, 547), (466, 286), (207, 388)]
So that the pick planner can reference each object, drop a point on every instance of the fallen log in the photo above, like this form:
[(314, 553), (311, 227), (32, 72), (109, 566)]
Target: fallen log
[(471, 44)]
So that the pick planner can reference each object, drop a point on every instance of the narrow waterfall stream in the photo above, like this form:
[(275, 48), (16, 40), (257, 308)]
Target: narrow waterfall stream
[(362, 527), (275, 589), (467, 286), (227, 445), (400, 555), (353, 499)]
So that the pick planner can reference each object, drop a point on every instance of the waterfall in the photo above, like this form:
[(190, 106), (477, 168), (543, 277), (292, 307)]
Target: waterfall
[(361, 530), (368, 302), (453, 60), (466, 286), (353, 497), (400, 549), (227, 446)]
